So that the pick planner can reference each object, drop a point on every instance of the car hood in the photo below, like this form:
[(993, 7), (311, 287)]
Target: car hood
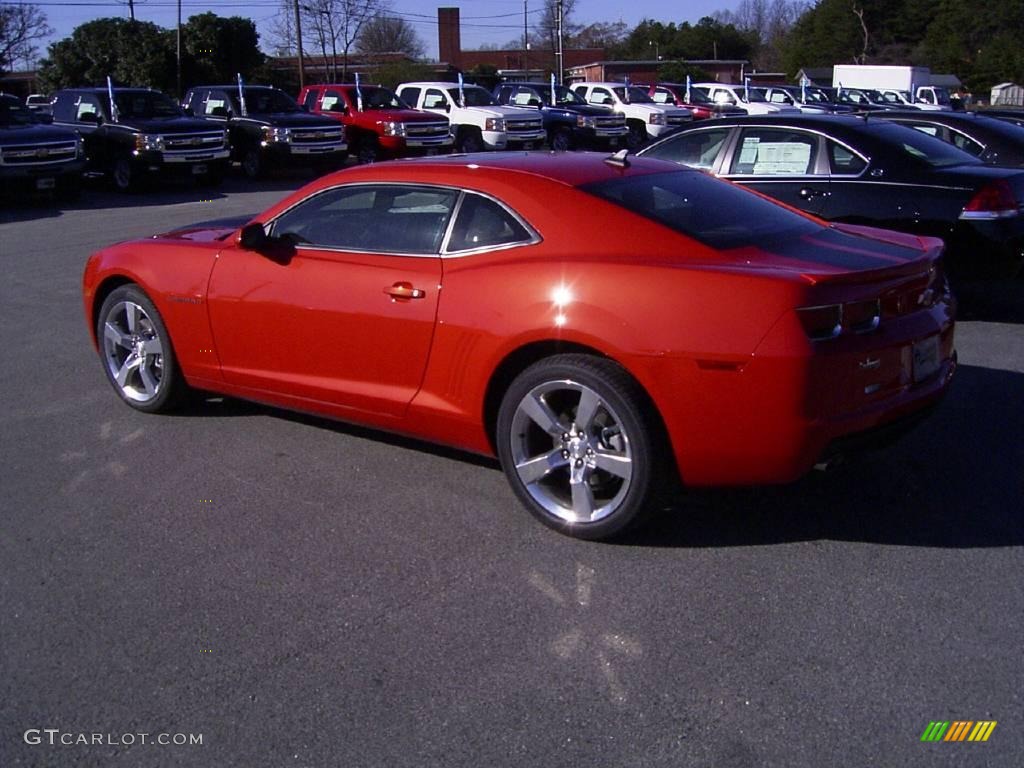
[(170, 125), (401, 115), (37, 132), (507, 112), (292, 120), (207, 231)]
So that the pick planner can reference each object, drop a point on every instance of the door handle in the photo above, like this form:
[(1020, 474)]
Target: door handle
[(404, 292), (807, 193)]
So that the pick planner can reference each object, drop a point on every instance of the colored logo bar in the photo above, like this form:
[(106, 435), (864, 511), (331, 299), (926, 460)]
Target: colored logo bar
[(958, 730)]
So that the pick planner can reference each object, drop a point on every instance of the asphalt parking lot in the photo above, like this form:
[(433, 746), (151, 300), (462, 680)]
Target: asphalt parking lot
[(304, 593)]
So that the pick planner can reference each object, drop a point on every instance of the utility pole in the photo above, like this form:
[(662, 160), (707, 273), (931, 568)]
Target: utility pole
[(558, 51), (298, 46), (526, 43)]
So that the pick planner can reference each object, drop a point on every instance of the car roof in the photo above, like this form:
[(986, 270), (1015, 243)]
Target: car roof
[(571, 168), (435, 84)]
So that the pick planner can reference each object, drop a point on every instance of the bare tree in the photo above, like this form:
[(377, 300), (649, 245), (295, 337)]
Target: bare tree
[(545, 31), (338, 24), (859, 13), (20, 27), (390, 34), (767, 22)]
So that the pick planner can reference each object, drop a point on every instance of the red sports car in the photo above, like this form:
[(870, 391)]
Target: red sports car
[(605, 326)]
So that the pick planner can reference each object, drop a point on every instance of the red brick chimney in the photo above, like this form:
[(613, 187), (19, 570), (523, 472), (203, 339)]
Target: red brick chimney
[(449, 41)]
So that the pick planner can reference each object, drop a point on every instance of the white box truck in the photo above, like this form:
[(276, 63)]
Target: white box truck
[(909, 86)]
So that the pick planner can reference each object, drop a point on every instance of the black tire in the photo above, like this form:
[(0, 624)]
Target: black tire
[(123, 176), (637, 135), (470, 140), (560, 140), (367, 150), (136, 348), (589, 480), (252, 164)]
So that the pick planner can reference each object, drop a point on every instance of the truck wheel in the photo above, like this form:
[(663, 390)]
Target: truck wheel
[(123, 175), (470, 140), (560, 140), (252, 163), (637, 134), (367, 150)]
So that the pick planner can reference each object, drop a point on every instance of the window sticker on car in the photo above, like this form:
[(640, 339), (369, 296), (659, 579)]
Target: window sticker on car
[(782, 157), (748, 154)]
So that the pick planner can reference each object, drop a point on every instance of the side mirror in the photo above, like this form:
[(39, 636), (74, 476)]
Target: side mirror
[(253, 237)]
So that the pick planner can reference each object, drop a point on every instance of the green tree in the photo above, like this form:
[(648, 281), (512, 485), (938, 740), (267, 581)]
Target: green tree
[(137, 53), (217, 48)]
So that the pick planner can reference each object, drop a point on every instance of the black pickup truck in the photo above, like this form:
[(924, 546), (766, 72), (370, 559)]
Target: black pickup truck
[(269, 129), (146, 135), (36, 158), (570, 122)]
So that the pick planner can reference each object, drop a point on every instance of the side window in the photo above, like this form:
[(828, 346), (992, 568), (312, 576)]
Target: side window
[(695, 148), (379, 219), (410, 96), (504, 94), (434, 100), (720, 96), (966, 143), (332, 101), (843, 162), (309, 102), (87, 105), (526, 97), (482, 223), (774, 152), (601, 96), (931, 130), (662, 96)]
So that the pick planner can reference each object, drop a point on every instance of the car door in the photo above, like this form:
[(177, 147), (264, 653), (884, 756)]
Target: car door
[(346, 315), (784, 163)]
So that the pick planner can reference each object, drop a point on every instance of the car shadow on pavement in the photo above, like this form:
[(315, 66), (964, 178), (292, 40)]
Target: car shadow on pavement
[(957, 481), (96, 196), (954, 482)]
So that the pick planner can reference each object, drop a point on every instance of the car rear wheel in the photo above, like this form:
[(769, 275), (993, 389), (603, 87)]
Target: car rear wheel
[(578, 447), (136, 350)]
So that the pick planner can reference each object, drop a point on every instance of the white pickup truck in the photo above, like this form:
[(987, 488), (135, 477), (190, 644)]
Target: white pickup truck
[(644, 118), (478, 121)]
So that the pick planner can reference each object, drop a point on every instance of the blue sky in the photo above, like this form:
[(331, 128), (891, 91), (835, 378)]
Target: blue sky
[(483, 21)]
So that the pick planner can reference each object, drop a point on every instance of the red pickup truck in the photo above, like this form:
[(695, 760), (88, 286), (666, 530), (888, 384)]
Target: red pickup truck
[(377, 123)]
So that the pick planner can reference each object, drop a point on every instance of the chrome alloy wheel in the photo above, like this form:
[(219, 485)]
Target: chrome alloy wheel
[(571, 452), (133, 351)]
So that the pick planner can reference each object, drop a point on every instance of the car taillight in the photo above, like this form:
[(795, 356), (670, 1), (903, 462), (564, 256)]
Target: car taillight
[(821, 323), (995, 200), (937, 286), (827, 321)]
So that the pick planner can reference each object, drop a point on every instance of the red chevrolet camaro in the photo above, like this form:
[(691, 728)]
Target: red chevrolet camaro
[(605, 326)]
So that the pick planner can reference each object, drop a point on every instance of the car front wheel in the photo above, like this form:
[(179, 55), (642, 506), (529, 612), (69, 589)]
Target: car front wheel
[(578, 447), (136, 350)]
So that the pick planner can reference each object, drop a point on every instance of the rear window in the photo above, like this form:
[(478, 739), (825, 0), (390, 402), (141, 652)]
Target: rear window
[(712, 211), (923, 148)]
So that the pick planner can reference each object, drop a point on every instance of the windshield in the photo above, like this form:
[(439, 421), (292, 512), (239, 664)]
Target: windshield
[(715, 212), (376, 97), (756, 94), (563, 95), (266, 100), (475, 96), (636, 95), (12, 112), (145, 105)]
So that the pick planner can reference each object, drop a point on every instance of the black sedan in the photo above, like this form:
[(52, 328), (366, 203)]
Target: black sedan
[(993, 141), (866, 170)]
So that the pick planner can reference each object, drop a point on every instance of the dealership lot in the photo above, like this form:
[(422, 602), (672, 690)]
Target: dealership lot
[(306, 593)]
